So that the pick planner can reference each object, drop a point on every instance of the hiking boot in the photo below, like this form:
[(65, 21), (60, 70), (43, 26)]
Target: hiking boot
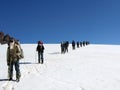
[(17, 80), (10, 79)]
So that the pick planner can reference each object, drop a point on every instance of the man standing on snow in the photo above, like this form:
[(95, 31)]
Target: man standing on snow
[(13, 52), (40, 49)]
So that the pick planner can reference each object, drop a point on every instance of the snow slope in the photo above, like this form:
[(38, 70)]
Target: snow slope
[(93, 67)]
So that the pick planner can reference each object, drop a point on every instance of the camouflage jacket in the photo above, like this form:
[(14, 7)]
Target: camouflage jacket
[(14, 56)]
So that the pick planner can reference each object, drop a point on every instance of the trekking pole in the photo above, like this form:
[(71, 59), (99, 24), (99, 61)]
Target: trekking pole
[(35, 57), (26, 70)]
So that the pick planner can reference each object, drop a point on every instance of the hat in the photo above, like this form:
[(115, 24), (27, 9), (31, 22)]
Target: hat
[(40, 42)]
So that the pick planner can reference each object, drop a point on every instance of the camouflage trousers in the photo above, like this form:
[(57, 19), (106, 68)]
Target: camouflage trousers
[(10, 69)]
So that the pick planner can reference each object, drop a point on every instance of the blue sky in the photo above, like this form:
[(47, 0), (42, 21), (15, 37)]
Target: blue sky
[(53, 21)]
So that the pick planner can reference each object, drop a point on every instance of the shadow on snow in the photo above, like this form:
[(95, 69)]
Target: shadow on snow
[(54, 53)]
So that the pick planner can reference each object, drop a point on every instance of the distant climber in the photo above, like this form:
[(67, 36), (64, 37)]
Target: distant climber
[(40, 50)]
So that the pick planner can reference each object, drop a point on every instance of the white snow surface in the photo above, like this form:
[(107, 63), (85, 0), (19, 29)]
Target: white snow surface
[(93, 67)]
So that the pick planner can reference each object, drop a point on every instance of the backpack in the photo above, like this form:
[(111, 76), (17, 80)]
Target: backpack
[(22, 54)]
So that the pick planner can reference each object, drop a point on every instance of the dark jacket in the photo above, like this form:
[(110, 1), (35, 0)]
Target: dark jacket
[(40, 48)]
